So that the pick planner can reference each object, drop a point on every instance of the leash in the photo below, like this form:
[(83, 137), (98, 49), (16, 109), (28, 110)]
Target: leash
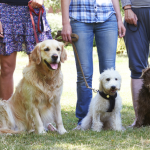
[(41, 11), (74, 38)]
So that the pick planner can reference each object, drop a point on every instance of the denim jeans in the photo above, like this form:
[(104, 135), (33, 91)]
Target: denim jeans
[(106, 35)]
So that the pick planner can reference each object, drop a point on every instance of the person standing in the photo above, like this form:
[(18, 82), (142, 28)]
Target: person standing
[(16, 31), (137, 23), (99, 18)]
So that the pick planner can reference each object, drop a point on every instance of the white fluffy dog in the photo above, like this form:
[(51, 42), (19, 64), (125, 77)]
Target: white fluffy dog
[(105, 107)]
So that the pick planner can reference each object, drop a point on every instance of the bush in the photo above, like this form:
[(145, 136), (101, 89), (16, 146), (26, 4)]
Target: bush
[(55, 22), (121, 46)]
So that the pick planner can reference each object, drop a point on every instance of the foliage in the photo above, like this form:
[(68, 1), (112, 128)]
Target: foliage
[(55, 4), (122, 11), (121, 48), (55, 23)]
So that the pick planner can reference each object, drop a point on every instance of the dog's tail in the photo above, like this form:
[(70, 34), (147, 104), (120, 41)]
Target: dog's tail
[(86, 122), (9, 131)]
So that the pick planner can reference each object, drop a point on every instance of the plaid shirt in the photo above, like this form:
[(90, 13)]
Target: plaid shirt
[(91, 11)]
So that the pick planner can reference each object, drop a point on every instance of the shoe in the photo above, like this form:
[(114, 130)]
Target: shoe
[(78, 127)]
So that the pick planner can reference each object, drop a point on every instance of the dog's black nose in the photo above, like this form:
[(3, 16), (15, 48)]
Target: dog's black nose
[(54, 57), (113, 87)]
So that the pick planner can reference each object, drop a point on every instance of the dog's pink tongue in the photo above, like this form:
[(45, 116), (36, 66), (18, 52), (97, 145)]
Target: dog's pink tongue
[(54, 66)]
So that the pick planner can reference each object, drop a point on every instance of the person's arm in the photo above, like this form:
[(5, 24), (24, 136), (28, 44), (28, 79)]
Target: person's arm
[(66, 30), (121, 28), (130, 16), (37, 3)]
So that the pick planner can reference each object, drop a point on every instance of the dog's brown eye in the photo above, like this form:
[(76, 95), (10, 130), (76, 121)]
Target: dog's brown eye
[(108, 79), (58, 49), (116, 79), (46, 49)]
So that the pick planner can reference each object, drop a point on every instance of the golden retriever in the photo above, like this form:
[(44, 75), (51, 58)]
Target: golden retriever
[(36, 101)]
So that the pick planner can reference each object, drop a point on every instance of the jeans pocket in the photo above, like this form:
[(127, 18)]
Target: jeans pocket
[(112, 18), (132, 27), (75, 23)]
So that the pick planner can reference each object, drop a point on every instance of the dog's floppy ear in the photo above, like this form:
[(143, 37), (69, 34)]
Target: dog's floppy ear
[(63, 56), (36, 54), (100, 84), (144, 71)]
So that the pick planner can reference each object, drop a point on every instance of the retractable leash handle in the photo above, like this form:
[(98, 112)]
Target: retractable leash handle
[(74, 38)]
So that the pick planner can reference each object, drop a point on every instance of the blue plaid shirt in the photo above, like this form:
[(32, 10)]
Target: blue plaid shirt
[(91, 11)]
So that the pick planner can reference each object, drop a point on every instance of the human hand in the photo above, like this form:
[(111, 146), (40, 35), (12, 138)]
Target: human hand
[(121, 29), (66, 33), (1, 30), (36, 3), (130, 17)]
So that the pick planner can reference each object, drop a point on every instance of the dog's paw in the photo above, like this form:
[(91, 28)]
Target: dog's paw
[(41, 130), (123, 128), (119, 128), (62, 131), (96, 129), (97, 126)]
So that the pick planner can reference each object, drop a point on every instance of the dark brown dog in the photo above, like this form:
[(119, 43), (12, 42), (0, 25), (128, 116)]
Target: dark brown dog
[(143, 103)]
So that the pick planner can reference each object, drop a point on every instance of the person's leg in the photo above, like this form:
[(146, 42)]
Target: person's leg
[(106, 35), (136, 85), (137, 44), (0, 80), (84, 48), (8, 64)]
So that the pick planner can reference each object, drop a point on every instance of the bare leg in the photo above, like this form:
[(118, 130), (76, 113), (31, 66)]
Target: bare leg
[(8, 64), (0, 80), (136, 85)]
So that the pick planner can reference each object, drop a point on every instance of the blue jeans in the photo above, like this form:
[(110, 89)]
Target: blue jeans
[(106, 35)]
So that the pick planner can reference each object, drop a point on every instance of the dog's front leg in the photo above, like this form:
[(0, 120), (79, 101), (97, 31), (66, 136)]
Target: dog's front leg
[(97, 124), (37, 121), (115, 121), (58, 119)]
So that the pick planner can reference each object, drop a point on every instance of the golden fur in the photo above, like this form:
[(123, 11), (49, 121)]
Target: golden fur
[(36, 101)]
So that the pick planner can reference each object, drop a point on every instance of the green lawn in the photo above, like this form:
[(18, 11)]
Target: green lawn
[(82, 140)]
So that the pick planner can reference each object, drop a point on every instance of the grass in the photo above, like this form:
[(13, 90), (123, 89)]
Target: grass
[(80, 140)]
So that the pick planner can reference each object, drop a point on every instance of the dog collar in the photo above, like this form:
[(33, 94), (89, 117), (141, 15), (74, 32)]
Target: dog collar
[(111, 100)]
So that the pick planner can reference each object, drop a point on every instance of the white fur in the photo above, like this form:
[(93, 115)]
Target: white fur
[(98, 117)]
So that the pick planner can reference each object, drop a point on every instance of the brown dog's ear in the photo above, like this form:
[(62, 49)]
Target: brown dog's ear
[(144, 72), (36, 54), (63, 56)]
